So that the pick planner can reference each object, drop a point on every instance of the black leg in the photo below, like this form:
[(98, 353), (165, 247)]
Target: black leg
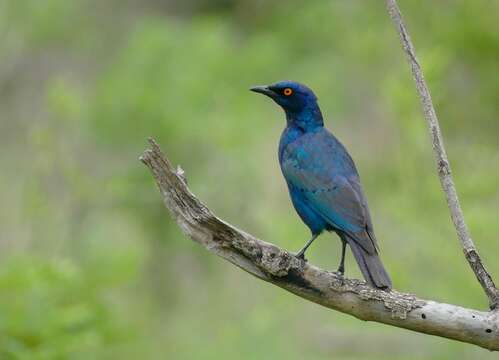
[(301, 253), (341, 268)]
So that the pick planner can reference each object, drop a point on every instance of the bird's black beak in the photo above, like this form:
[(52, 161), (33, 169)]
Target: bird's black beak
[(263, 89)]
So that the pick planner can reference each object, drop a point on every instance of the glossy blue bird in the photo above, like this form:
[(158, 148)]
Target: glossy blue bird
[(323, 181)]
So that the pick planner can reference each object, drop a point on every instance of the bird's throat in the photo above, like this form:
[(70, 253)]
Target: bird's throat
[(307, 119)]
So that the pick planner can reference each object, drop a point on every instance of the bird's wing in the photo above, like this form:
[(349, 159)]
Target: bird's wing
[(337, 198), (355, 183)]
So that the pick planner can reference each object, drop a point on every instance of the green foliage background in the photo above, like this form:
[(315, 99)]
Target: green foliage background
[(91, 266)]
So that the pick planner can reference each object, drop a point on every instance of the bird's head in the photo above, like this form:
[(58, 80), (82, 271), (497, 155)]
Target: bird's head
[(298, 101)]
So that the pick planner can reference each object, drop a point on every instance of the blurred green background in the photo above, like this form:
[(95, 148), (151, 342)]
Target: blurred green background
[(91, 265)]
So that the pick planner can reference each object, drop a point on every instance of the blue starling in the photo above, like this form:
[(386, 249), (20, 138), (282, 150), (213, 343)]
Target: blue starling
[(323, 182)]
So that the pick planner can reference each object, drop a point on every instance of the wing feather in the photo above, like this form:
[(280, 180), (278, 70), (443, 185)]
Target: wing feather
[(336, 196)]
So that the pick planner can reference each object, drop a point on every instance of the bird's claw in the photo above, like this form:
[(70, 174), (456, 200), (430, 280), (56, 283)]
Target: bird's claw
[(301, 256), (340, 277), (341, 271)]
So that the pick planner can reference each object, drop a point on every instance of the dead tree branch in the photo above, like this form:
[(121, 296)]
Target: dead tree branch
[(277, 266), (443, 167)]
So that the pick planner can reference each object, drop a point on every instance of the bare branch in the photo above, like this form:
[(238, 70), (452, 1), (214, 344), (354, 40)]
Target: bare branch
[(443, 167), (277, 266)]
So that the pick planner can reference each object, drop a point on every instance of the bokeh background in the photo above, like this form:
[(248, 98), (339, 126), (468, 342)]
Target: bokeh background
[(91, 265)]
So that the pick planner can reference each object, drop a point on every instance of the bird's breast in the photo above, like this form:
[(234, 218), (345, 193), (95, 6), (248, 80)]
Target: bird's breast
[(289, 136)]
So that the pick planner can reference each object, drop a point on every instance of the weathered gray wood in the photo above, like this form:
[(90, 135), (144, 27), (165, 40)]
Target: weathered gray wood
[(279, 267), (443, 167)]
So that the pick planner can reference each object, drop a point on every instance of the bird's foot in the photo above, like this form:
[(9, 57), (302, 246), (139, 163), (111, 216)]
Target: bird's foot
[(341, 270), (340, 274), (301, 255)]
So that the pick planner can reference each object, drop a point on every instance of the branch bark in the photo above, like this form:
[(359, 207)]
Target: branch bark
[(279, 267), (443, 167)]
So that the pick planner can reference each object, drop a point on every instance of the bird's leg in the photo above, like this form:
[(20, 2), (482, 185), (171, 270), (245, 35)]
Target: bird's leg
[(301, 253), (341, 268)]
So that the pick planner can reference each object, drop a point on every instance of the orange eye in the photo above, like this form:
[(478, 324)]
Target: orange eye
[(287, 91)]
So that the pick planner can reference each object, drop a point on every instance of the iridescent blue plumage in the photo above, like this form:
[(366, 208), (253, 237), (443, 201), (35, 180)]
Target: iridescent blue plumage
[(323, 182)]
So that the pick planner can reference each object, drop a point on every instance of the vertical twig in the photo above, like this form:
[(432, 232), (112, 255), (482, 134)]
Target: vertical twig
[(443, 166)]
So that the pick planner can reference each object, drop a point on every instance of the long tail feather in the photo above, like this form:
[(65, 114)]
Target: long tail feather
[(371, 267)]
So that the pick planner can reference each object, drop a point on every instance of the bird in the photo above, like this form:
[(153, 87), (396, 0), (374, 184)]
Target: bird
[(323, 181)]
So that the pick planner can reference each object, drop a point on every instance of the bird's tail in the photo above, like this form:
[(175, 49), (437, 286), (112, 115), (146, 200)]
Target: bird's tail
[(371, 267)]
